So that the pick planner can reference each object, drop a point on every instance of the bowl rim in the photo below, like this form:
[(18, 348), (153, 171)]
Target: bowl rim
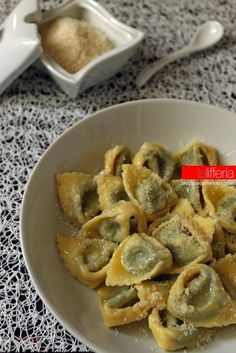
[(55, 69), (78, 335)]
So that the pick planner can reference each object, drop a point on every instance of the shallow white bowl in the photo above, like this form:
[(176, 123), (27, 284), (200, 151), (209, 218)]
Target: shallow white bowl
[(170, 122), (124, 38)]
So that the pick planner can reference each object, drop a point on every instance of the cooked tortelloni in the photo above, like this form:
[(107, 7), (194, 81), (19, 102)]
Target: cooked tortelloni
[(230, 242), (171, 333), (148, 191), (218, 242), (155, 224), (110, 190), (156, 158), (192, 192), (226, 212), (78, 196), (115, 158), (117, 223), (86, 259), (153, 245), (226, 269), (156, 290), (221, 201), (121, 305), (198, 297), (197, 154), (182, 208), (188, 242), (139, 257)]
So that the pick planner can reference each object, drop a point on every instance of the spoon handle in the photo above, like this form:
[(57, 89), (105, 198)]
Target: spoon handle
[(151, 69)]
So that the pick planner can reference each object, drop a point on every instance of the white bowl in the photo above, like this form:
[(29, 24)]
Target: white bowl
[(170, 122), (124, 38)]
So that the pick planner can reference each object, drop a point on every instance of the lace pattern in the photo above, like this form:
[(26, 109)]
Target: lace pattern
[(34, 112)]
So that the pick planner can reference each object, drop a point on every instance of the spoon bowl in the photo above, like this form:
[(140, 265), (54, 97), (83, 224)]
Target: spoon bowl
[(207, 35)]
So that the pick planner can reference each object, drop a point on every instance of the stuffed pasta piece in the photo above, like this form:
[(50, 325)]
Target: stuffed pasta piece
[(110, 190), (171, 333), (226, 269), (78, 196), (86, 259), (198, 297), (138, 258), (115, 158), (221, 201), (218, 242), (230, 242), (197, 153), (148, 191), (188, 241), (117, 223), (154, 156), (121, 305), (182, 209), (193, 193), (213, 231)]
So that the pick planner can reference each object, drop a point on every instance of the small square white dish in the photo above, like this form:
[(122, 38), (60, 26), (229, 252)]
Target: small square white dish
[(124, 38), (20, 44)]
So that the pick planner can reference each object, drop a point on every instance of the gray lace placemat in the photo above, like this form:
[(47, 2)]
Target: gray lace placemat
[(33, 112)]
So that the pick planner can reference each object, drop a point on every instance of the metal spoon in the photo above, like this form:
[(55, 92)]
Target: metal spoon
[(207, 35)]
